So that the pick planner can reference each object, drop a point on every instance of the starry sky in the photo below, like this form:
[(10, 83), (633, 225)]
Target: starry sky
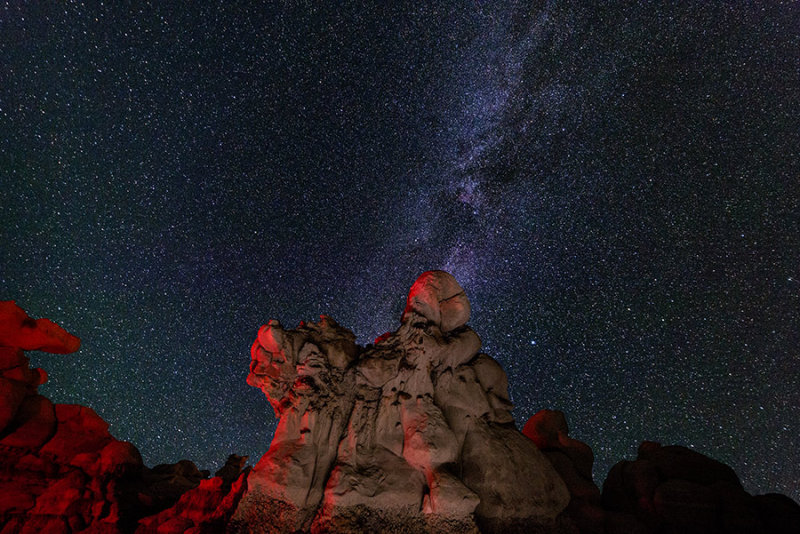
[(616, 188)]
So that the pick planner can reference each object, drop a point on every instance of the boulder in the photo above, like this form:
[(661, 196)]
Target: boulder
[(437, 296), (675, 489), (572, 460)]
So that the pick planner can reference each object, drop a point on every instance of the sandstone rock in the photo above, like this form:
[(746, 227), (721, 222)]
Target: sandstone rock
[(548, 429), (118, 458), (413, 432), (233, 467), (11, 357), (34, 424), (165, 483), (13, 500), (206, 508), (304, 374), (437, 296), (79, 431), (59, 461), (12, 393), (20, 331), (17, 382), (573, 460)]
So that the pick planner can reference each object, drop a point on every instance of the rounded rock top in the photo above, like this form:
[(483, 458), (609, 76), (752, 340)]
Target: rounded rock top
[(437, 296)]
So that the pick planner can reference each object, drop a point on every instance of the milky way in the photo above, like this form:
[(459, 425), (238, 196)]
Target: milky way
[(615, 188)]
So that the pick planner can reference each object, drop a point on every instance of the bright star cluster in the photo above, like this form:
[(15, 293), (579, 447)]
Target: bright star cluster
[(616, 187)]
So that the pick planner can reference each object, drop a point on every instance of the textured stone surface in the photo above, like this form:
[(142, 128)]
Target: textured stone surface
[(206, 508), (437, 296), (58, 461), (411, 434), (62, 471), (413, 430), (305, 376)]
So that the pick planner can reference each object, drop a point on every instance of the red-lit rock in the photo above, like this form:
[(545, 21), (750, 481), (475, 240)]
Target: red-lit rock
[(59, 467), (11, 357), (438, 297), (118, 458), (303, 374), (13, 498), (80, 436), (204, 509), (12, 393), (413, 434), (34, 424), (20, 331), (548, 429)]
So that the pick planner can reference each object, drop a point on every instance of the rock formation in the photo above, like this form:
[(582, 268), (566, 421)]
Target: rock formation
[(410, 434), (675, 489), (61, 471), (413, 433), (573, 460), (59, 466)]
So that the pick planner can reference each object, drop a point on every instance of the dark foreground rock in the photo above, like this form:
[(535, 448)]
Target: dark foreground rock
[(675, 489), (573, 461)]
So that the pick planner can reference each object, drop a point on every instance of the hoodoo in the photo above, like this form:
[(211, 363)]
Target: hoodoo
[(413, 433)]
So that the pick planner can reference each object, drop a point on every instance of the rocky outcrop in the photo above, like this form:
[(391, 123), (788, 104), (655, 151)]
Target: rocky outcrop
[(19, 331), (675, 489), (413, 433), (573, 460), (666, 490), (203, 509), (61, 471)]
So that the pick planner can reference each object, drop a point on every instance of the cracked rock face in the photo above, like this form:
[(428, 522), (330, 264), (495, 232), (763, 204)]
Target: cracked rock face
[(413, 433)]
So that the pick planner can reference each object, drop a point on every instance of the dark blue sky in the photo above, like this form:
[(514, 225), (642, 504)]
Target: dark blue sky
[(617, 189)]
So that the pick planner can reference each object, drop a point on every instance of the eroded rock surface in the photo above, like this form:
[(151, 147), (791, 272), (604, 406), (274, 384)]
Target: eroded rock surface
[(413, 433), (61, 471), (60, 468), (573, 460)]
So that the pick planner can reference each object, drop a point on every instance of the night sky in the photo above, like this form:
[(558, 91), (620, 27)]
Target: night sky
[(617, 189)]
